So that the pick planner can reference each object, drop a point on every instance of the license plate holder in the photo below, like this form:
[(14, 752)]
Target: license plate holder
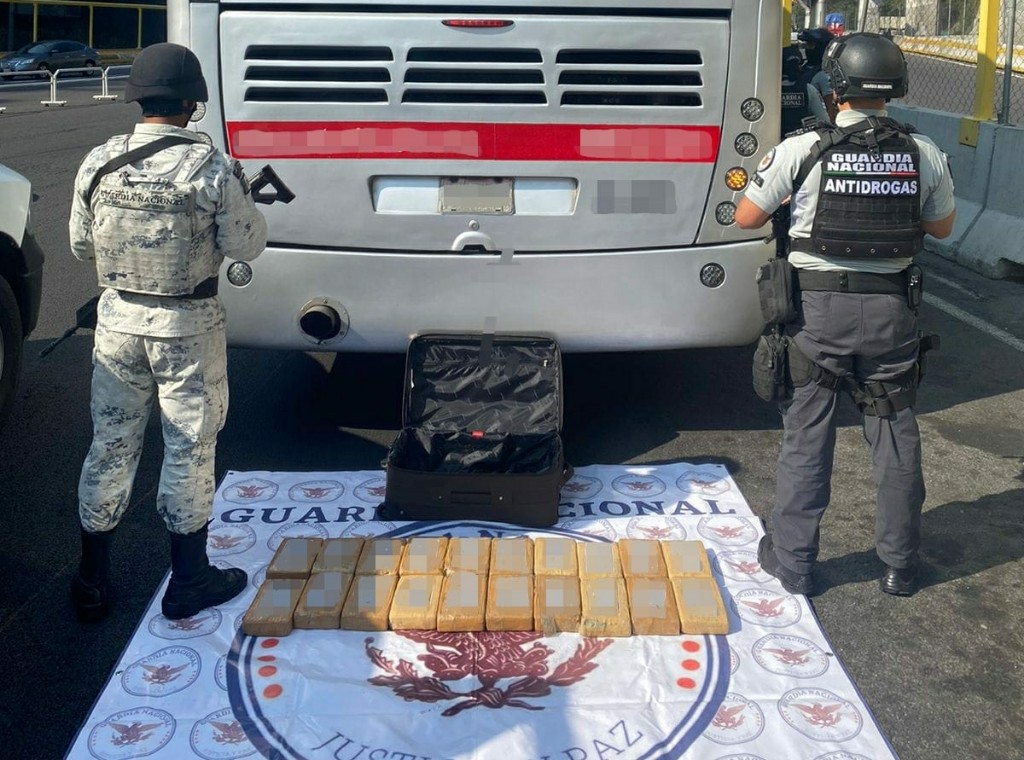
[(476, 195)]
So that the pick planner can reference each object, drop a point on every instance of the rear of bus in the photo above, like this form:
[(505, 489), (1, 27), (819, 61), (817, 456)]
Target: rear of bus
[(562, 168)]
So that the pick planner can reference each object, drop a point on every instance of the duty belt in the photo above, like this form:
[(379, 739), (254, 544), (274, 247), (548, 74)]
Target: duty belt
[(853, 282), (206, 289)]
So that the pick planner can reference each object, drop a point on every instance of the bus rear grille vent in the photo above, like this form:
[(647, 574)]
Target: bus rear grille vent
[(314, 95), (496, 76), (316, 73), (625, 78), (326, 53)]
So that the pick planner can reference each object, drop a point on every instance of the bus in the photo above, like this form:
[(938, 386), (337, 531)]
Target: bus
[(564, 168)]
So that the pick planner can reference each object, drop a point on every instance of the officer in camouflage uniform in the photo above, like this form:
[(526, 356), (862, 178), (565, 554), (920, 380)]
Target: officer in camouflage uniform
[(862, 196), (158, 210)]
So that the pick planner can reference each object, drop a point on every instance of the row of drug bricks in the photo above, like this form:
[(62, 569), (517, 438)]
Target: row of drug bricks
[(552, 585)]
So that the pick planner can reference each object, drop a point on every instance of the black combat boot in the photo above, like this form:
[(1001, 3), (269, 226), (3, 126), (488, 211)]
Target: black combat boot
[(90, 592), (195, 584)]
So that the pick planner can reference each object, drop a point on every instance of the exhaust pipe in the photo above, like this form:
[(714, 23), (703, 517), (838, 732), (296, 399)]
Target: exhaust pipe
[(321, 322)]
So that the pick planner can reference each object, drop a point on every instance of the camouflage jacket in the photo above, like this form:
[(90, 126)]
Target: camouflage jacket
[(221, 197)]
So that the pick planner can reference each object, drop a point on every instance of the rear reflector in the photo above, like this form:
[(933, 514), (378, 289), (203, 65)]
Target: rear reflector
[(474, 141)]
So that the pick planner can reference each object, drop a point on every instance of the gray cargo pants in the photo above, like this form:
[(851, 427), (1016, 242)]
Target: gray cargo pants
[(869, 337), (189, 378)]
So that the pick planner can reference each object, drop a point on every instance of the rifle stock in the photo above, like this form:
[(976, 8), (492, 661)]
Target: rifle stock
[(85, 318)]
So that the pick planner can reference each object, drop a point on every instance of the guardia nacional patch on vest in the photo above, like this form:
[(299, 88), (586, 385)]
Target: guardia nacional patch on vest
[(869, 197), (885, 174)]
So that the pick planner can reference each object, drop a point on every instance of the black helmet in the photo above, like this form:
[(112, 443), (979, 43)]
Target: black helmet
[(865, 65), (166, 71), (792, 62), (816, 41), (819, 37)]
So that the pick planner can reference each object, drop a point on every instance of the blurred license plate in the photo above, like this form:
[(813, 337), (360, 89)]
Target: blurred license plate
[(475, 195)]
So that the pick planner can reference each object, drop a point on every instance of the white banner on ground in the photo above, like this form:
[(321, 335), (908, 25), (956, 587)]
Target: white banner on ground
[(773, 688)]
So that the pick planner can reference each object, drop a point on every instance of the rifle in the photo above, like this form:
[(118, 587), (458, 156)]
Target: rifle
[(85, 318), (782, 218)]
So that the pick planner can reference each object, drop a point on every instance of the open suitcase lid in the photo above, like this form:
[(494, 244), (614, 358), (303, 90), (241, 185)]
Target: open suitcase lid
[(483, 383)]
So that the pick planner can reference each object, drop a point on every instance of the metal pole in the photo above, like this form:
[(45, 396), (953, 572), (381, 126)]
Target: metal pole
[(139, 39), (35, 21), (862, 15), (10, 26), (91, 9), (988, 44), (1011, 24)]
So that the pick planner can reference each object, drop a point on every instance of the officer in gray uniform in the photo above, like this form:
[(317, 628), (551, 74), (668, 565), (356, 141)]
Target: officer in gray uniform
[(815, 42), (863, 195), (158, 210)]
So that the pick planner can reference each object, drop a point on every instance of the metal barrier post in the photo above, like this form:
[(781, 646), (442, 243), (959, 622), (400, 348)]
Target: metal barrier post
[(104, 92), (988, 49), (53, 91), (1011, 24), (985, 76)]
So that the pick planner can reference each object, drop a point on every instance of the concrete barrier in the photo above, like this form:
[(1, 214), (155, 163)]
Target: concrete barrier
[(988, 236)]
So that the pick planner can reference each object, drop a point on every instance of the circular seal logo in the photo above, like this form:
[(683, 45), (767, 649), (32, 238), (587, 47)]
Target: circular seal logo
[(581, 488), (764, 607), (271, 679), (368, 529), (316, 491), (589, 526), (294, 530), (219, 736), (639, 486), (734, 661), (203, 624), (249, 491), (741, 757), (790, 656), (224, 539), (258, 577), (728, 531), (371, 491), (220, 672), (737, 720), (740, 566), (165, 672), (702, 483), (842, 756), (131, 733), (655, 527), (821, 715)]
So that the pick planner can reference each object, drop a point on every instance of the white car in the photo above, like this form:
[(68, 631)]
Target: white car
[(21, 278)]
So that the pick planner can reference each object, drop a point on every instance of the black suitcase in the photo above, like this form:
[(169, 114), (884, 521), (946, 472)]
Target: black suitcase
[(481, 417)]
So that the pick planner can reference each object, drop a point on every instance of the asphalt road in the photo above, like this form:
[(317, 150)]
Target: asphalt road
[(943, 671)]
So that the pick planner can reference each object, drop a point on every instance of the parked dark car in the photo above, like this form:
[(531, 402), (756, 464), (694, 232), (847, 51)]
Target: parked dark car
[(47, 56)]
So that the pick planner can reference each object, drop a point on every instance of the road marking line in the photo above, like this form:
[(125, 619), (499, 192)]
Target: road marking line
[(976, 322), (953, 284)]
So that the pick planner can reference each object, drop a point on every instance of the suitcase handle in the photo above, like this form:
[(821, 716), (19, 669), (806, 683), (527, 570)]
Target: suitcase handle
[(476, 498)]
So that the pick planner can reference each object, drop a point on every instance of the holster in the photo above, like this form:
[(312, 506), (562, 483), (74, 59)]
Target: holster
[(775, 291), (771, 367)]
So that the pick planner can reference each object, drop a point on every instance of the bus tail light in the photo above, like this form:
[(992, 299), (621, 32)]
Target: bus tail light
[(712, 275), (752, 109), (736, 178), (477, 23), (725, 213)]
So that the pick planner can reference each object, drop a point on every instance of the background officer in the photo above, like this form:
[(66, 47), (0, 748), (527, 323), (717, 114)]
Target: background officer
[(815, 42), (863, 195), (158, 210)]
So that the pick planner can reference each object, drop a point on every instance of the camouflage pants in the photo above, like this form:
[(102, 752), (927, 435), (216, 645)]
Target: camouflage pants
[(189, 378)]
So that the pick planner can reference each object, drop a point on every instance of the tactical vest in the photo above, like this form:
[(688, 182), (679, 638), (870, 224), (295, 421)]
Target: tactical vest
[(146, 233), (869, 197), (795, 107)]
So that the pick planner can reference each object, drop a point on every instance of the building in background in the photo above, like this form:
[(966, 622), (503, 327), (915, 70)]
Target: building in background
[(137, 24)]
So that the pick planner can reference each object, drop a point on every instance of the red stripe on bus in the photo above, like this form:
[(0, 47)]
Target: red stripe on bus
[(473, 141)]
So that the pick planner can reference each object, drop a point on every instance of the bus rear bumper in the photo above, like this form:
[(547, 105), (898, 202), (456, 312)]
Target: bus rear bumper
[(609, 301)]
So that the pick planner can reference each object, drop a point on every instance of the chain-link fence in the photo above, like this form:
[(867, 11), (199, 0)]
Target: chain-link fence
[(941, 39)]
